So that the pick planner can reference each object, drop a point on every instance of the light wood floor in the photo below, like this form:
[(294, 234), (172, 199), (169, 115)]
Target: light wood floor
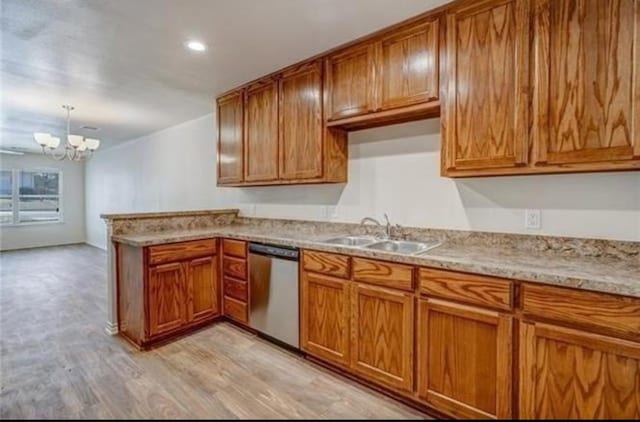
[(57, 362)]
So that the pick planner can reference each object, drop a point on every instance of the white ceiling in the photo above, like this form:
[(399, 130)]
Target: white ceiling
[(123, 65)]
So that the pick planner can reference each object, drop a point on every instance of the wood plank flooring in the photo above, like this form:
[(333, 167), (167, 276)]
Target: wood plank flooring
[(57, 362)]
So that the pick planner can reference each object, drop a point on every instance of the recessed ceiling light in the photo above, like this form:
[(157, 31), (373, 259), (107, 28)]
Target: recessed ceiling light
[(196, 46)]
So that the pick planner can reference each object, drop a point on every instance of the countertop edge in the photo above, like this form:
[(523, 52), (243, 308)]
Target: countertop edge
[(162, 214)]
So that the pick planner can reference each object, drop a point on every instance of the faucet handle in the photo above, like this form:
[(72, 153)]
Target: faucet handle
[(386, 217)]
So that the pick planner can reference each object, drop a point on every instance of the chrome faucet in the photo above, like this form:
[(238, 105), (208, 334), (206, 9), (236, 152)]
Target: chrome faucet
[(387, 229)]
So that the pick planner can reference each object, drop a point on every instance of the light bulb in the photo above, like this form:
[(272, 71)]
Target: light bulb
[(75, 140), (42, 138), (92, 144)]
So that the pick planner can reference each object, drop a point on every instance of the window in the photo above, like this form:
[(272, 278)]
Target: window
[(30, 196)]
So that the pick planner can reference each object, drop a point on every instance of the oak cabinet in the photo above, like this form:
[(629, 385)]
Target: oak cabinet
[(235, 278), (301, 125), (325, 317), (167, 298), (382, 335), (365, 329), (485, 111), (230, 138), (181, 293), (572, 374), (407, 66), (283, 138), (464, 359), (203, 289), (390, 79), (261, 132), (586, 87), (350, 82), (165, 290)]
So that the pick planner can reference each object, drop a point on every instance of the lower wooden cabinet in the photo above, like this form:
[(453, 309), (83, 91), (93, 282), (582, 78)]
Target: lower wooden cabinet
[(464, 359), (325, 317), (573, 374), (382, 335), (203, 289), (182, 293), (167, 289), (234, 271), (167, 300)]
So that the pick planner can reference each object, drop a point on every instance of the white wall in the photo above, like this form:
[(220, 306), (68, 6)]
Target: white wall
[(393, 169), (72, 229)]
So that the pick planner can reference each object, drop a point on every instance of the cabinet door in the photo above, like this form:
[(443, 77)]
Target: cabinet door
[(203, 298), (325, 317), (571, 374), (350, 82), (230, 139), (167, 308), (301, 125), (408, 66), (587, 82), (382, 335), (486, 104), (464, 360), (261, 132)]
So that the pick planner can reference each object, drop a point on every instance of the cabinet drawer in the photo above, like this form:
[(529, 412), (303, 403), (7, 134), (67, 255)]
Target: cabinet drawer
[(236, 289), (236, 248), (235, 309), (172, 252), (235, 267), (468, 288), (326, 263), (397, 276), (617, 314)]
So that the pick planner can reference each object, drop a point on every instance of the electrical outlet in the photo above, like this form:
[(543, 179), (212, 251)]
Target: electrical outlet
[(532, 219)]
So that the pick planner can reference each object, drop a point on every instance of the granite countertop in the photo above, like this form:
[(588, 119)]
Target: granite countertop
[(602, 274)]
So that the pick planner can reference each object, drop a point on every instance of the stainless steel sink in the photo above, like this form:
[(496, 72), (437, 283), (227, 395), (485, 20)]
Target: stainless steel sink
[(403, 246), (351, 240)]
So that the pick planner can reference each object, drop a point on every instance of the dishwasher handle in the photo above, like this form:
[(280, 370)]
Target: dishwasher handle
[(281, 252)]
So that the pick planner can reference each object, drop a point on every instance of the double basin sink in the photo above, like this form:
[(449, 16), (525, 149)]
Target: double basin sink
[(397, 246)]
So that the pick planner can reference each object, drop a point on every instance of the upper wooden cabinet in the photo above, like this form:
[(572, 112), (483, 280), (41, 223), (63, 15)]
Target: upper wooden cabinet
[(587, 83), (522, 87), (261, 132), (392, 78), (301, 126), (578, 88), (284, 139), (230, 138), (350, 82), (485, 110), (407, 66)]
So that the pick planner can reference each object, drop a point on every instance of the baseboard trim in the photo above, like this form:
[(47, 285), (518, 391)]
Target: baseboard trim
[(111, 328)]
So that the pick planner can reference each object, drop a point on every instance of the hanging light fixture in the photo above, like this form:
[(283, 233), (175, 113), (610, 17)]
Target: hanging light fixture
[(76, 147)]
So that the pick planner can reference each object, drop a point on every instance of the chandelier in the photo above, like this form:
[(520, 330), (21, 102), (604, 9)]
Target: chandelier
[(76, 147)]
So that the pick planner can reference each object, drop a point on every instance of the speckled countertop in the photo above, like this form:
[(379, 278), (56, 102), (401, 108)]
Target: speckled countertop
[(602, 274)]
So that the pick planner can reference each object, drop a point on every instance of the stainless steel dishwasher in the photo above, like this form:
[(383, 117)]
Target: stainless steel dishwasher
[(273, 292)]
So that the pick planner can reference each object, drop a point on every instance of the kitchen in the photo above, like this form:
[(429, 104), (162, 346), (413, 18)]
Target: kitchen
[(439, 217)]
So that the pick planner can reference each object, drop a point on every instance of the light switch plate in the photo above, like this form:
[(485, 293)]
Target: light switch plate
[(532, 219)]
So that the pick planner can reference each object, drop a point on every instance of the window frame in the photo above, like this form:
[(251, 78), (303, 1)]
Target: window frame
[(16, 175)]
